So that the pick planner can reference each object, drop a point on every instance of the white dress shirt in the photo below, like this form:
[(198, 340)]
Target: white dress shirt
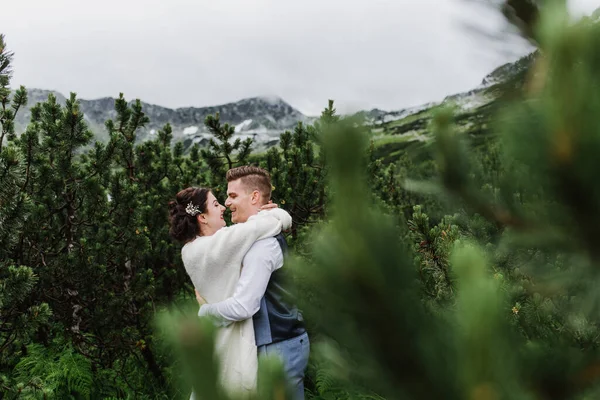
[(263, 258)]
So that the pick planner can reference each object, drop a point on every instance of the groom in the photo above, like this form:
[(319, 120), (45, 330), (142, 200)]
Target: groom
[(260, 292)]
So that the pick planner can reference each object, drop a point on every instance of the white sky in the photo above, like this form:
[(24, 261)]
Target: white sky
[(363, 54)]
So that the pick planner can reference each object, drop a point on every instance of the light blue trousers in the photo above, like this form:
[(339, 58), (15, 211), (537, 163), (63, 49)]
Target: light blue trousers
[(294, 354)]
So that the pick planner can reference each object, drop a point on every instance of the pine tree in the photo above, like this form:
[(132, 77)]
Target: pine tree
[(223, 154), (96, 268), (20, 313), (542, 202), (384, 182), (298, 172), (99, 250), (10, 107), (12, 173), (433, 246)]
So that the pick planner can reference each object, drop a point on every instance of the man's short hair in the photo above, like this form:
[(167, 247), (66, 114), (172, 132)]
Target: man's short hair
[(254, 178)]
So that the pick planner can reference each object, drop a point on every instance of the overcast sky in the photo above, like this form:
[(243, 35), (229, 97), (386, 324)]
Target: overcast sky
[(388, 54)]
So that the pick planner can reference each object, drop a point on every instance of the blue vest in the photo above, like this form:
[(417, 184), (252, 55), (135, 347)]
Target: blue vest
[(277, 319)]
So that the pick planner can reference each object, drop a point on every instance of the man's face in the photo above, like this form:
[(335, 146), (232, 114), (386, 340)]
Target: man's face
[(241, 201)]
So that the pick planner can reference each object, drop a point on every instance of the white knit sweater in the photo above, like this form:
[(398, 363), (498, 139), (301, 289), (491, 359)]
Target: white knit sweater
[(214, 264)]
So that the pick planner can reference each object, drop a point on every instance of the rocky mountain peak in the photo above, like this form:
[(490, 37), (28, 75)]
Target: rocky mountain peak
[(263, 118)]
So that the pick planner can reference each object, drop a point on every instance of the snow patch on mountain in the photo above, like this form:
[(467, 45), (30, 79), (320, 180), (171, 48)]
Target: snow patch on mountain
[(243, 126), (403, 113), (190, 130)]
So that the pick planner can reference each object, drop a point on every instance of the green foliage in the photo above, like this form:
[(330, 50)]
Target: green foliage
[(92, 226), (487, 291), (324, 379), (222, 154), (66, 375), (20, 315), (15, 206), (21, 318), (365, 276), (432, 245), (9, 107), (298, 173)]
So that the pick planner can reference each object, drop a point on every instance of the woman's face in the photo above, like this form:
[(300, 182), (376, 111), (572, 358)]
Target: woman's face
[(212, 219)]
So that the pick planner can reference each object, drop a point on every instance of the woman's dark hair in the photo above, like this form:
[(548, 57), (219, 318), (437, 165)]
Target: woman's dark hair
[(184, 226)]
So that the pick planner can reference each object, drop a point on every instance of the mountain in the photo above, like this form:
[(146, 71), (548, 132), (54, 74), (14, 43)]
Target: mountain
[(262, 118), (506, 77), (395, 132), (265, 118)]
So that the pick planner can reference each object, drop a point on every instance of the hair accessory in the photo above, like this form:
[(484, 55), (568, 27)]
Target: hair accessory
[(192, 209)]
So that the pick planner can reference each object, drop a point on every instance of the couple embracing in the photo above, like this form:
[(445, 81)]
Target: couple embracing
[(237, 274)]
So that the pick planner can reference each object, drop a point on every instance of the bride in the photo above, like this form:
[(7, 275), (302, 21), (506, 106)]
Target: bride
[(212, 255)]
